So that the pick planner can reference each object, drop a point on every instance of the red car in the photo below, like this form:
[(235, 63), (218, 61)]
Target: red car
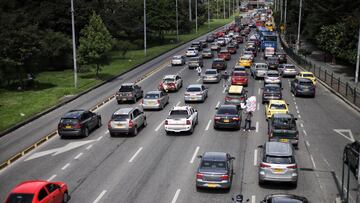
[(39, 191), (220, 34), (224, 54), (237, 29), (231, 49), (239, 78)]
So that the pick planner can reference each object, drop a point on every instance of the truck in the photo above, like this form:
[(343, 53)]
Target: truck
[(181, 119)]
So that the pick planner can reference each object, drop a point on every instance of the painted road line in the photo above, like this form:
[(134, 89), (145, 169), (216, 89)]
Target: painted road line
[(255, 157), (253, 199), (101, 195), (99, 138), (177, 104), (294, 99), (313, 162), (176, 196), (159, 126), (78, 156), (302, 125), (208, 125), (327, 163), (305, 133), (52, 177), (257, 126), (295, 103), (297, 108), (194, 155), (258, 106), (259, 91), (299, 116), (89, 147), (107, 132), (136, 153), (297, 111), (66, 165), (198, 79), (224, 90), (217, 104), (307, 143)]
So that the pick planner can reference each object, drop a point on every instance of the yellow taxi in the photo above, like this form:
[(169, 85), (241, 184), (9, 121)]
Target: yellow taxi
[(245, 61), (308, 75), (270, 26), (276, 106)]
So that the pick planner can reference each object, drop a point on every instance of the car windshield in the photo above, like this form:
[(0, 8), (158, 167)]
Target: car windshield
[(20, 198), (210, 72), (69, 121), (168, 80), (279, 160), (283, 123), (263, 67), (177, 57), (178, 113), (239, 74), (272, 88), (308, 75), (152, 96), (213, 164), (278, 106), (120, 117), (194, 89), (231, 111), (126, 88)]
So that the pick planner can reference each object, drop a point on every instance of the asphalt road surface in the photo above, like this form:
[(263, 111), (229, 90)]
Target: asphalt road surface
[(154, 167)]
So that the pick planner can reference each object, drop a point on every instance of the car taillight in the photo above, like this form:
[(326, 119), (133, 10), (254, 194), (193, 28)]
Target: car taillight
[(236, 118), (224, 177), (60, 125), (166, 122), (78, 126), (199, 176), (227, 98), (292, 166), (188, 122), (262, 165), (158, 101), (142, 101), (216, 118), (131, 123)]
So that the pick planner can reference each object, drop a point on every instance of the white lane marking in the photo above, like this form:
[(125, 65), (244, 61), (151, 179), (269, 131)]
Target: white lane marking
[(99, 197), (257, 126), (258, 91), (52, 177), (217, 104), (107, 132), (136, 153), (224, 90), (66, 165), (299, 116), (159, 126), (177, 104), (253, 199), (208, 125), (297, 108), (258, 106), (302, 125), (78, 156), (327, 163), (99, 138), (255, 157), (198, 80), (297, 111), (346, 133), (312, 160), (194, 155), (307, 143), (294, 99), (88, 147), (295, 103), (305, 133), (176, 196)]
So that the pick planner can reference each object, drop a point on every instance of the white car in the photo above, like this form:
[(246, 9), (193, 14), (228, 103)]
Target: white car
[(181, 119), (272, 77), (191, 52), (221, 41), (178, 60), (170, 83)]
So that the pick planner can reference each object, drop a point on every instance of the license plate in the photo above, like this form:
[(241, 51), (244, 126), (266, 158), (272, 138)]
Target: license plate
[(68, 126), (278, 170), (151, 103), (283, 140), (226, 121), (192, 98), (124, 99), (120, 125), (212, 185)]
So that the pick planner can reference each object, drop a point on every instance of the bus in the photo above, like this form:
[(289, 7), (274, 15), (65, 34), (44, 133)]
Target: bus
[(268, 39)]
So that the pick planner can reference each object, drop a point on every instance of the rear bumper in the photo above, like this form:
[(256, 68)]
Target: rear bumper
[(306, 92), (227, 125), (264, 176), (121, 130), (70, 133), (157, 106), (124, 98), (213, 184), (193, 98), (211, 79), (177, 128)]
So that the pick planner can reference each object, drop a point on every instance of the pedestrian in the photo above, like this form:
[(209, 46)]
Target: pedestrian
[(198, 69), (226, 78), (248, 121)]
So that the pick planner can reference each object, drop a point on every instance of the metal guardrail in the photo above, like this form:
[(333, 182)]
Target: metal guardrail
[(348, 91)]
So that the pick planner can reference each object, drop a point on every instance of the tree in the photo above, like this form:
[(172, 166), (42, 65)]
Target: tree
[(95, 44)]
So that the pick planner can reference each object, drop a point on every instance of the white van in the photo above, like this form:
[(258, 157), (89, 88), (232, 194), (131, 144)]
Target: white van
[(269, 51)]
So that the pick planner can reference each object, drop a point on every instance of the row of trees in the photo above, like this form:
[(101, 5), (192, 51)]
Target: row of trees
[(36, 35), (330, 24)]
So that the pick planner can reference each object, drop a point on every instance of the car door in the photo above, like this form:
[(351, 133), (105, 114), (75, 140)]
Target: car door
[(44, 197), (91, 120), (137, 91), (137, 117), (54, 193), (85, 120), (178, 81), (353, 158), (204, 90)]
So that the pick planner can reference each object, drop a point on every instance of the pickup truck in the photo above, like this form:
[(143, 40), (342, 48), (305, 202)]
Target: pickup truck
[(181, 119)]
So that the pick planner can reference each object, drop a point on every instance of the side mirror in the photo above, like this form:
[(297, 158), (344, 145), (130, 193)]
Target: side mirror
[(260, 146), (199, 156)]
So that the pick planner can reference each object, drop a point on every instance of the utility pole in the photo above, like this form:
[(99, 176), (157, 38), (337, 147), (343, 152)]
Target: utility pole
[(275, 5), (217, 9), (74, 43), (145, 27), (285, 16), (190, 19), (229, 7), (177, 21), (224, 9), (281, 11), (356, 82), (299, 26), (196, 17), (209, 15)]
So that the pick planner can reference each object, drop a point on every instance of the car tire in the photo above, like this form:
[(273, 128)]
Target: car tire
[(167, 132), (261, 182), (86, 132), (135, 100), (191, 131), (135, 132), (118, 101), (66, 197)]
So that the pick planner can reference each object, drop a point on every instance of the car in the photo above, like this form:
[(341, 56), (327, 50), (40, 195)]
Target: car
[(235, 44), (210, 38), (272, 62), (231, 49), (224, 54), (272, 77), (351, 156), (178, 60), (269, 52), (271, 92), (253, 49), (221, 41), (276, 106), (238, 68), (282, 58), (195, 92), (239, 78), (278, 163), (155, 100), (308, 75), (170, 83), (282, 198), (302, 86), (246, 61), (215, 170), (127, 121), (195, 62), (282, 128), (129, 92), (219, 64), (197, 45), (239, 39), (228, 116), (190, 52), (204, 43), (181, 119), (215, 47), (211, 76), (39, 191), (249, 53), (236, 95), (287, 70), (207, 53), (78, 123), (259, 70)]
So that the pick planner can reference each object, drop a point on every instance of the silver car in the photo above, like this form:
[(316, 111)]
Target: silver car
[(287, 70), (211, 75), (278, 163), (272, 77), (195, 92), (258, 70), (155, 100), (178, 60), (127, 121)]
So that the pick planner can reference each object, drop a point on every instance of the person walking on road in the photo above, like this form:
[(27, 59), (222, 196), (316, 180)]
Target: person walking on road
[(226, 78), (248, 121), (199, 70)]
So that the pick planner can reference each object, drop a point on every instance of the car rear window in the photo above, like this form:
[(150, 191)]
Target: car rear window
[(168, 80), (272, 88), (126, 88), (285, 123), (211, 72), (218, 62), (308, 75), (273, 74), (307, 83), (194, 89), (285, 200), (20, 198), (239, 74), (231, 111), (278, 106), (290, 67), (178, 112), (151, 96), (71, 121), (279, 159), (120, 117), (213, 164)]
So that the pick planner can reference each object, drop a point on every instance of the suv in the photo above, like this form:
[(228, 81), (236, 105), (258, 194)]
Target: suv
[(219, 64), (78, 123), (129, 92), (272, 77), (258, 70), (282, 128), (197, 45), (351, 156), (127, 121), (195, 62), (273, 62), (278, 163)]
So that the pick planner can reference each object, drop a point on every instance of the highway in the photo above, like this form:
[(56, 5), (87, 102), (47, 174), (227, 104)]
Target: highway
[(154, 167)]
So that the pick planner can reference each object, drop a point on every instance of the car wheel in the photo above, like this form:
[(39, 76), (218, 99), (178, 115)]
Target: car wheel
[(66, 197), (261, 182), (135, 99), (191, 130), (135, 131), (167, 132), (294, 184), (86, 132), (118, 101)]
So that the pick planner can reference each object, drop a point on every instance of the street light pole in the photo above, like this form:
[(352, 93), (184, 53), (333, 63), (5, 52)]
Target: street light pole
[(356, 82), (217, 8), (285, 16), (145, 27), (281, 11), (190, 19), (298, 34), (229, 7), (196, 17), (74, 43), (209, 14), (177, 21), (224, 9)]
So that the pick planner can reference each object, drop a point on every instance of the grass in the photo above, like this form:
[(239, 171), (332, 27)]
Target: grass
[(53, 86)]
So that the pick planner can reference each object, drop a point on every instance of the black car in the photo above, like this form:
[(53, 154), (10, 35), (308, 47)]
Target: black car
[(351, 156), (302, 86), (210, 38), (78, 123), (228, 116), (271, 91), (283, 198), (215, 170), (282, 58), (129, 92), (204, 43), (219, 64), (272, 62), (282, 128), (197, 45)]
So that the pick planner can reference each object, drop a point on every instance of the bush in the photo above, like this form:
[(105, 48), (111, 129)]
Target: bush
[(305, 52)]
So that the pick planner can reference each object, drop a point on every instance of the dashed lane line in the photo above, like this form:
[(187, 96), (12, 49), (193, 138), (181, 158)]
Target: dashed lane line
[(313, 162), (177, 104), (159, 126), (258, 106), (253, 199), (134, 156), (257, 126), (78, 156), (66, 165), (302, 125), (259, 91), (208, 125), (99, 138), (101, 195), (255, 157), (305, 133), (52, 177), (89, 147), (176, 196), (194, 155), (307, 143)]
